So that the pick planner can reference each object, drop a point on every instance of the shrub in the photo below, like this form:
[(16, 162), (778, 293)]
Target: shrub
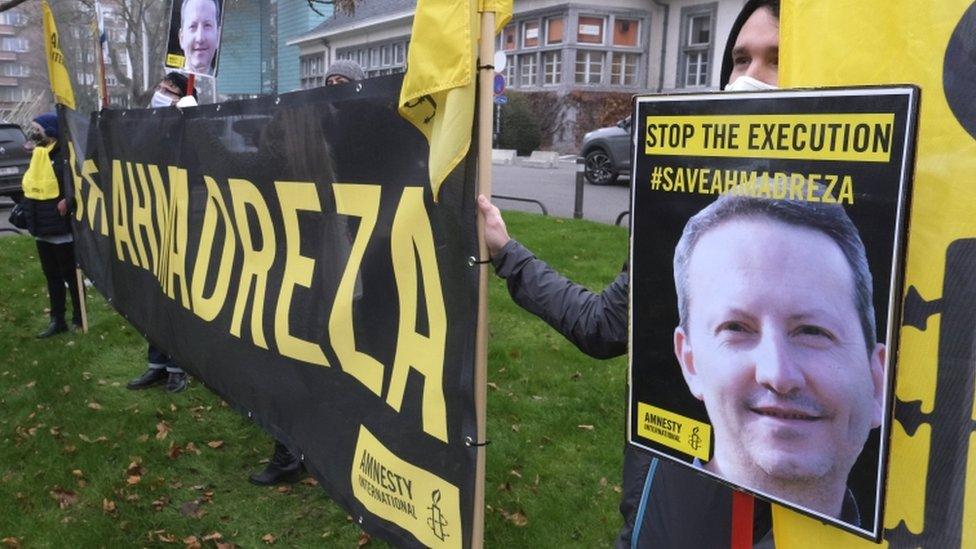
[(519, 127)]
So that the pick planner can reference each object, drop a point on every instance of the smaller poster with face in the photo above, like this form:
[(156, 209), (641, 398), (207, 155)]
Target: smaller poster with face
[(766, 280), (194, 36)]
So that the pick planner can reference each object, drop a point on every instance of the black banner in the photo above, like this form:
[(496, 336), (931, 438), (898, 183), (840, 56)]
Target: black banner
[(288, 252), (767, 264)]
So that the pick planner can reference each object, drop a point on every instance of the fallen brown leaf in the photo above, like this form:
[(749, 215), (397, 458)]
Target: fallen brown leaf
[(215, 444), (162, 430), (65, 498), (108, 506), (586, 427), (158, 504), (133, 479), (517, 518), (191, 542), (11, 542), (94, 405), (213, 536), (364, 539), (190, 447), (166, 538), (283, 489), (192, 509), (226, 545), (309, 481), (77, 473), (174, 450), (269, 539)]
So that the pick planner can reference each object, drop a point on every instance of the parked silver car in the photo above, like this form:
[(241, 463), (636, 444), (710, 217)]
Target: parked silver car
[(607, 153)]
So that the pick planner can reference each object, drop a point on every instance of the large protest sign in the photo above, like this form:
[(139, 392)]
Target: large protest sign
[(766, 256), (931, 489), (194, 36), (288, 252)]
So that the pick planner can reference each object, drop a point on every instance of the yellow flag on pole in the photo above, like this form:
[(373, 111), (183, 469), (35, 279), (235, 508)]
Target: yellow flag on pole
[(438, 92), (57, 72), (931, 485)]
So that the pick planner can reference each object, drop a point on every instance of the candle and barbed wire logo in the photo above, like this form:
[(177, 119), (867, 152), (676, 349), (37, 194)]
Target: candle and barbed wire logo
[(435, 520)]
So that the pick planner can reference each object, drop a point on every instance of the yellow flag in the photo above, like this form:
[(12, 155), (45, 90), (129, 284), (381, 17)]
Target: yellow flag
[(438, 93), (57, 72), (931, 486)]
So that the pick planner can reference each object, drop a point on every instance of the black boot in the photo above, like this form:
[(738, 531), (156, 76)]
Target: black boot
[(149, 378), (176, 382), (57, 326), (283, 467)]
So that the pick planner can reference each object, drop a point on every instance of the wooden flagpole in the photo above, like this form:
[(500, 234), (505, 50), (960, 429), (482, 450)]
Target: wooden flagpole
[(486, 74)]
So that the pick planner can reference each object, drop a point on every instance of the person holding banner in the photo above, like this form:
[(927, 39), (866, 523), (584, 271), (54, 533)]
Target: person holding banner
[(284, 466), (597, 322), (46, 208), (171, 91)]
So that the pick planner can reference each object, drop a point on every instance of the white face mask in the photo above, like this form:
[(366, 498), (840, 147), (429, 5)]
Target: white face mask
[(748, 83), (160, 100)]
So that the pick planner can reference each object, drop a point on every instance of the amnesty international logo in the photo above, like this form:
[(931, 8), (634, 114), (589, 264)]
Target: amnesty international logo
[(436, 521)]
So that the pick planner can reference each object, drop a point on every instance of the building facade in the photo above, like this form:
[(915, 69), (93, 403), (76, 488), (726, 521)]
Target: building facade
[(557, 47)]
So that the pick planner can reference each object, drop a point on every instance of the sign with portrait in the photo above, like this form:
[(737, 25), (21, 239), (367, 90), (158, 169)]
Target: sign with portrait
[(766, 279), (320, 292), (194, 36)]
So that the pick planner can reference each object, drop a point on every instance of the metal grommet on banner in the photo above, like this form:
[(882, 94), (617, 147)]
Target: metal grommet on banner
[(360, 520), (249, 414), (277, 100), (492, 67), (468, 441), (472, 261), (359, 87), (218, 107), (301, 458)]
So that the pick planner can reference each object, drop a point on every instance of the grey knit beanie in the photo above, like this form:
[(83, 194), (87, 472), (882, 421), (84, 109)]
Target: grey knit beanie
[(346, 67)]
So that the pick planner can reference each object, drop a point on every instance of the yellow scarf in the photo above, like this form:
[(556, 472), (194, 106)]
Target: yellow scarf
[(40, 182)]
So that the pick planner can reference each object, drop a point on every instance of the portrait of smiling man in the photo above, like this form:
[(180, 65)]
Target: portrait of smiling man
[(199, 34), (777, 338)]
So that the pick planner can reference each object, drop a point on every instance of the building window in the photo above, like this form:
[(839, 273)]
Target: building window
[(589, 66), (14, 44), (13, 69), (696, 47), (528, 70), (111, 80), (552, 62), (13, 19), (508, 38), (554, 31), (509, 71), (398, 54), (312, 70), (530, 34), (590, 30), (374, 57), (625, 32), (387, 56), (623, 69)]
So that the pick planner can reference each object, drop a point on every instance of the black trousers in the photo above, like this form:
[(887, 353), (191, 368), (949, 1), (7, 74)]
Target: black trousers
[(58, 264)]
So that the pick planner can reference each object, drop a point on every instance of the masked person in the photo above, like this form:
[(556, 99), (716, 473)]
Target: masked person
[(284, 466), (161, 369), (171, 91), (46, 210), (597, 324)]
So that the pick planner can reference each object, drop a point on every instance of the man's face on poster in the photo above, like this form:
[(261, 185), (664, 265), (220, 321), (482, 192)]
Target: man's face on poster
[(199, 34), (775, 349)]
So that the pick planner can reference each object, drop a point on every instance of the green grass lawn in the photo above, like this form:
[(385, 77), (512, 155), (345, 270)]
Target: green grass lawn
[(84, 462)]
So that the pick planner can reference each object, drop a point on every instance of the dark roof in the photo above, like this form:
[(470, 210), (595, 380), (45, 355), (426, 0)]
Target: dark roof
[(365, 10)]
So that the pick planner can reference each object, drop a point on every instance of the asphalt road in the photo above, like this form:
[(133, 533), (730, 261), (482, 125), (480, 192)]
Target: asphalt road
[(556, 188)]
